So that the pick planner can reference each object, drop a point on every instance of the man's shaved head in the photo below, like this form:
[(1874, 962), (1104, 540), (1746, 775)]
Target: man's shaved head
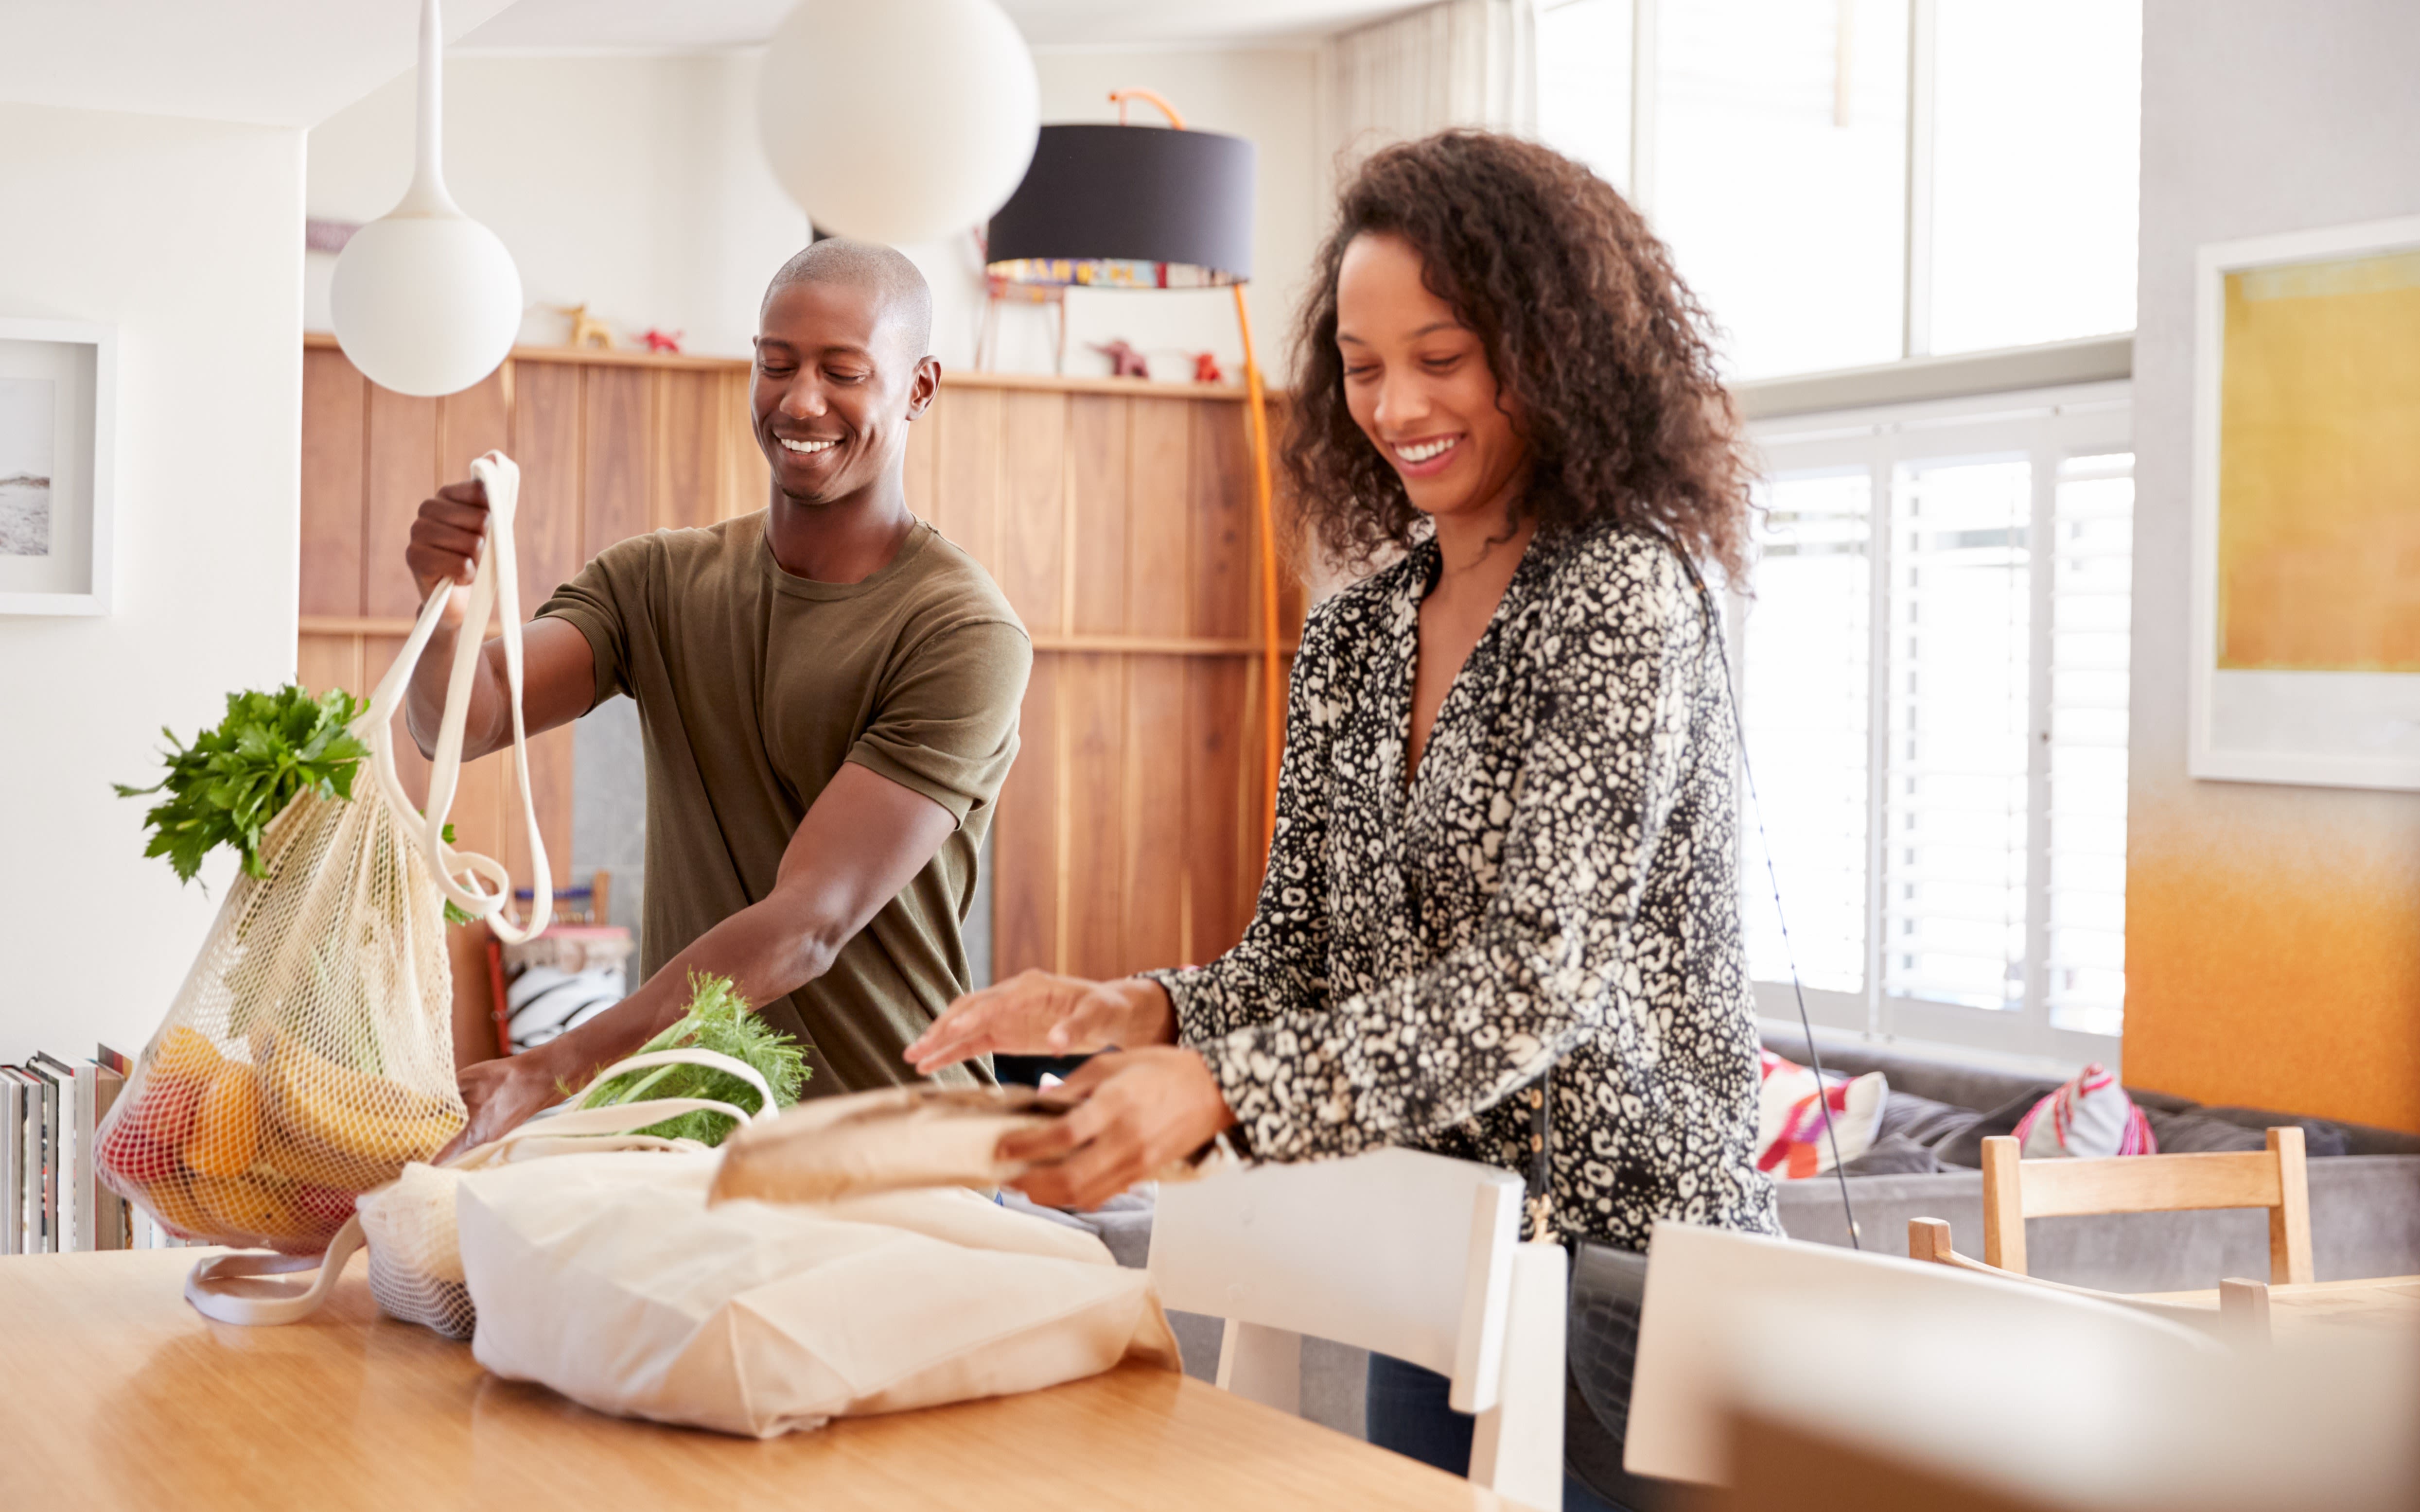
[(899, 290)]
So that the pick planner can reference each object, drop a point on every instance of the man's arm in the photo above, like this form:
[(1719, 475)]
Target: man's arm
[(865, 837), (558, 666)]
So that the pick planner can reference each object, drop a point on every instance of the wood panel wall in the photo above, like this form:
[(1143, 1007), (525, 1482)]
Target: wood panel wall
[(1120, 523), (609, 446), (1118, 517)]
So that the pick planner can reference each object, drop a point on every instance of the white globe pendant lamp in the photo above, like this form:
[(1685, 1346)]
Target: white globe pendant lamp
[(898, 120), (426, 300)]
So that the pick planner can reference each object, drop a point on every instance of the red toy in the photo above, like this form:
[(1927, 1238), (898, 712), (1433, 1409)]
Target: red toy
[(1124, 362), (657, 342), (1205, 368)]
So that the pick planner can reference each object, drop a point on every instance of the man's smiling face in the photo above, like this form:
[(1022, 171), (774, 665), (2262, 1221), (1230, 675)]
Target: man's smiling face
[(834, 387)]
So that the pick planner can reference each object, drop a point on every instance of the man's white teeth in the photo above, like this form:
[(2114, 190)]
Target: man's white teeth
[(1423, 451), (808, 448)]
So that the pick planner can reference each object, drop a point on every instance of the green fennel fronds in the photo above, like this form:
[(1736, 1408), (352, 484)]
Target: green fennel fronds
[(718, 1019)]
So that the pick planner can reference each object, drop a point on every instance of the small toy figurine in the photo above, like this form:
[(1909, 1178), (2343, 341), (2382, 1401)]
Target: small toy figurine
[(1124, 362), (657, 342), (1205, 368), (586, 329)]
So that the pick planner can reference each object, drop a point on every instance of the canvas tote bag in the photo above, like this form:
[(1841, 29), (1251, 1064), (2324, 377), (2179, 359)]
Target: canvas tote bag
[(608, 1279)]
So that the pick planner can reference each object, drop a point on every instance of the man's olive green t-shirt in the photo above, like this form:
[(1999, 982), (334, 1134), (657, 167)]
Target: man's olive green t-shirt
[(753, 687)]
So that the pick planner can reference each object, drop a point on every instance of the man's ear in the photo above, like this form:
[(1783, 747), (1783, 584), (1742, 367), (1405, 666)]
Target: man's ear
[(925, 386)]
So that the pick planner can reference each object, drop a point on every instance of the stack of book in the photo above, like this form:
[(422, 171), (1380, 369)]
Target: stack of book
[(51, 1199)]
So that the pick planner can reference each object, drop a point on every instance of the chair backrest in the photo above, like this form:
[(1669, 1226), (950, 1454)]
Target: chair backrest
[(2015, 1189), (1398, 1250), (1724, 1311)]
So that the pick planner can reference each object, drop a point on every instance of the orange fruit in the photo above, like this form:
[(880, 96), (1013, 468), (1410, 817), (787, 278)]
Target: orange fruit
[(227, 1135), (185, 1052)]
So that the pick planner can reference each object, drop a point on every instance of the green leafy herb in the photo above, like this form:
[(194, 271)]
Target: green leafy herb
[(228, 785), (718, 1019)]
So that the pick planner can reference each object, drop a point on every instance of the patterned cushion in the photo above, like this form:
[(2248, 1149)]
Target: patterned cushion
[(1790, 1135), (2091, 1116)]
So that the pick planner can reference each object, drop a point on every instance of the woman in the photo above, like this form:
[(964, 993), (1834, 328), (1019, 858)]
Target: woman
[(1505, 836)]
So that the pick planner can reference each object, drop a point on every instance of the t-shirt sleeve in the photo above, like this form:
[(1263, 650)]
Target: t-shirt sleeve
[(946, 726), (597, 603)]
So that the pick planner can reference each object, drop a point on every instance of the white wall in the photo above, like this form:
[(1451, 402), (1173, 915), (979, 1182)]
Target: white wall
[(635, 184), (630, 184), (184, 235), (2273, 932)]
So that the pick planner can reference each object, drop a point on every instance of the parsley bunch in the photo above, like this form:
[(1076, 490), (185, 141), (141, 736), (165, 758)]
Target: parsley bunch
[(228, 785)]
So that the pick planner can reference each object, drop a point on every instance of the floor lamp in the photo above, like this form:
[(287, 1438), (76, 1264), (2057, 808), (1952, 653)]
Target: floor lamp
[(1137, 208)]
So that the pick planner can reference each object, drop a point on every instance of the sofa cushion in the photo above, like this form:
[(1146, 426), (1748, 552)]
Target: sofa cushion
[(1966, 1147), (1800, 1125), (1894, 1155), (1922, 1120), (2089, 1117), (2323, 1137), (2196, 1133)]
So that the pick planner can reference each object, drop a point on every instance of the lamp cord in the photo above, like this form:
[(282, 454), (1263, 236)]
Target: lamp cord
[(1773, 879)]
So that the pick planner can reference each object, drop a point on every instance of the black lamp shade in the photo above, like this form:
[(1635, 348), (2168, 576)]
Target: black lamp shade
[(1129, 206)]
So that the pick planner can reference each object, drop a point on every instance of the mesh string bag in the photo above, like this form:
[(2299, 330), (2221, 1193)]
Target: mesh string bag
[(308, 1058)]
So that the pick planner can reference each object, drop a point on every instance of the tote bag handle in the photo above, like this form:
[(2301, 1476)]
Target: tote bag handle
[(495, 586)]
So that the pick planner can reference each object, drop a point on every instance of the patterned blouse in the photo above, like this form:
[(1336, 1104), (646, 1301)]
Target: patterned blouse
[(1556, 887)]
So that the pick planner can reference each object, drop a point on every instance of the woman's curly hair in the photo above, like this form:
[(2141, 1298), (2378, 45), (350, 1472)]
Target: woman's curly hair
[(1600, 347)]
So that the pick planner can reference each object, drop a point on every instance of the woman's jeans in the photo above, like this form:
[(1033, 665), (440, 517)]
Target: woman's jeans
[(1407, 1413)]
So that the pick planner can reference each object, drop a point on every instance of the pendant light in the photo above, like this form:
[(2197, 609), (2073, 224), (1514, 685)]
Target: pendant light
[(426, 300), (898, 120)]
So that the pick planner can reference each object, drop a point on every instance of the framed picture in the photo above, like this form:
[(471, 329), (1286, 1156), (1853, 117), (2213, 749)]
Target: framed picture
[(2306, 509), (59, 442)]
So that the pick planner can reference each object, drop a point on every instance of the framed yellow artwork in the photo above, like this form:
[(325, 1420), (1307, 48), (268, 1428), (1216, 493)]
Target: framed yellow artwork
[(2306, 509)]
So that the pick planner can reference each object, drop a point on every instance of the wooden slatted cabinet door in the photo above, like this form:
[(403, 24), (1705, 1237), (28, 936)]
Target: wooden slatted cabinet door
[(687, 456), (1093, 728), (1025, 836)]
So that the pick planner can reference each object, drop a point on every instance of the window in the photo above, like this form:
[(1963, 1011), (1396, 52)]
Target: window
[(1933, 683), (1847, 182), (2037, 112)]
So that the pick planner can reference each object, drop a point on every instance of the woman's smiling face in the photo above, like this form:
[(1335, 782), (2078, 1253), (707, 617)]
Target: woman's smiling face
[(1418, 384)]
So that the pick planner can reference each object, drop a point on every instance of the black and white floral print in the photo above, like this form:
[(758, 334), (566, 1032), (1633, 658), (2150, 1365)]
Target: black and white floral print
[(1555, 887)]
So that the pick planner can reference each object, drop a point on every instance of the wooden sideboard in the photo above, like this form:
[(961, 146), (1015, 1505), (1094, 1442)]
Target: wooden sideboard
[(1118, 516)]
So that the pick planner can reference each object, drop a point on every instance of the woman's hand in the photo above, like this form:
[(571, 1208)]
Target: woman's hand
[(1040, 1013), (1141, 1110), (502, 1094)]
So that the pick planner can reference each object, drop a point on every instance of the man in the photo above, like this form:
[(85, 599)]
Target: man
[(828, 692)]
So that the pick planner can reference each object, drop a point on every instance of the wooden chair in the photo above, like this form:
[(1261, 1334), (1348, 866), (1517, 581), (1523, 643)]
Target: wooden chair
[(2015, 1190), (2241, 1318), (1399, 1251)]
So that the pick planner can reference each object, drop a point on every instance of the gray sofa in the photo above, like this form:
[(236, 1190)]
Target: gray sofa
[(2364, 1183)]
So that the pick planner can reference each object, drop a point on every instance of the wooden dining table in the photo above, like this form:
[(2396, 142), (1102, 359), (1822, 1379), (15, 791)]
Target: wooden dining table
[(2320, 1309), (113, 1393)]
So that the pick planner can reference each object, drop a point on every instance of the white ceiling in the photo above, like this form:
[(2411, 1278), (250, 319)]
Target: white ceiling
[(296, 62), (272, 62), (696, 26)]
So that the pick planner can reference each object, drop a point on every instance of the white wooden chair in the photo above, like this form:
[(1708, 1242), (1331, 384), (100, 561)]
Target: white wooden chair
[(1738, 1321), (1405, 1253)]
